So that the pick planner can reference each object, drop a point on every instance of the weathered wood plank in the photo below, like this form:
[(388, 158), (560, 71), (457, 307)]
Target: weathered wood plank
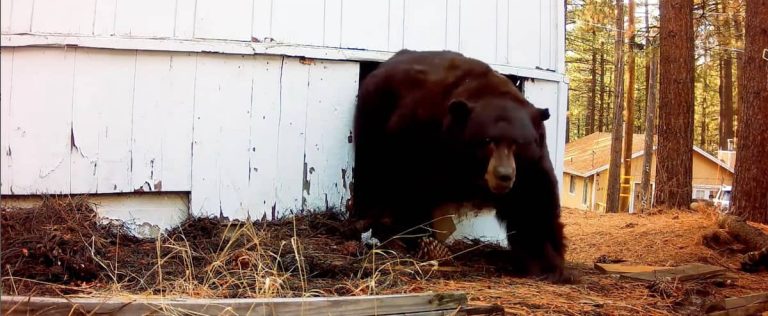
[(623, 268), (291, 134), (63, 17), (425, 25), (101, 129), (396, 16), (262, 19), (224, 19), (477, 35), (185, 19), (145, 18), (6, 162), (681, 273), (21, 16), (740, 306), (5, 16), (264, 124), (221, 134), (330, 107), (365, 24), (453, 24), (39, 116), (298, 26), (332, 28), (524, 38), (162, 121), (104, 17), (240, 48), (407, 304), (502, 31)]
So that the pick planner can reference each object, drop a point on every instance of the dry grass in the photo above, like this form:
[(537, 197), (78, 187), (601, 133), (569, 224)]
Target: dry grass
[(304, 256)]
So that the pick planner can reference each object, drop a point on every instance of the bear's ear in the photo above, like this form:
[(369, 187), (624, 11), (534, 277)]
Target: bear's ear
[(459, 110), (543, 114)]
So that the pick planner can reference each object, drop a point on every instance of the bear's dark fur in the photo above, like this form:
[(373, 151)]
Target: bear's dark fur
[(435, 127)]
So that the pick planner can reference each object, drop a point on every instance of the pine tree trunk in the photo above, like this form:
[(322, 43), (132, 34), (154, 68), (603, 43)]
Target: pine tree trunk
[(726, 102), (750, 192), (645, 185), (601, 111), (726, 76), (676, 83), (629, 119), (739, 31), (592, 91), (614, 169)]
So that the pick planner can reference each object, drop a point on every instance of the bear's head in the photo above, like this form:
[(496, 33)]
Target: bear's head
[(495, 138)]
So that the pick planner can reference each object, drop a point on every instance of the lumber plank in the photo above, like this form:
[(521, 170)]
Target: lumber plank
[(681, 273), (404, 304), (624, 268), (741, 301), (752, 309)]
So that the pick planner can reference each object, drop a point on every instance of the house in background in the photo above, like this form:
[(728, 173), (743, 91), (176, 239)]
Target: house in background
[(585, 172)]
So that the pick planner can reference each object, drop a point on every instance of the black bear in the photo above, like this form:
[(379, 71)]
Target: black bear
[(437, 127)]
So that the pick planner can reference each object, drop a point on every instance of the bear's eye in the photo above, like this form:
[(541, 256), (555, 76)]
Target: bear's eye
[(487, 141)]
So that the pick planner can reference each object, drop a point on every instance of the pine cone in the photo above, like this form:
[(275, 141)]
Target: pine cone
[(432, 249)]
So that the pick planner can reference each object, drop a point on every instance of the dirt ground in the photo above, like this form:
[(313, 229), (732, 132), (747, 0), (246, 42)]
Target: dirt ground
[(61, 248)]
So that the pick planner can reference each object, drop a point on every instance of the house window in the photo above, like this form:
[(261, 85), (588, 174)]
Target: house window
[(572, 188), (700, 194), (584, 192)]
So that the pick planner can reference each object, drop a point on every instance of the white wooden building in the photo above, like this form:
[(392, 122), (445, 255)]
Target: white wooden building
[(161, 108)]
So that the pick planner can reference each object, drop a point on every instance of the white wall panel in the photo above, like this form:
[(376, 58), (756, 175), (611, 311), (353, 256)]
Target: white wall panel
[(365, 24), (298, 21), (5, 15), (425, 24), (261, 27), (477, 37), (524, 33), (291, 134), (332, 89), (102, 113), (6, 158), (453, 24), (224, 19), (39, 117), (162, 120), (264, 124), (396, 23), (145, 18), (185, 19), (333, 22), (221, 135), (21, 16), (502, 31), (104, 17), (67, 17)]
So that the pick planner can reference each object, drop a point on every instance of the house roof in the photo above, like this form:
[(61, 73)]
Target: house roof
[(591, 154)]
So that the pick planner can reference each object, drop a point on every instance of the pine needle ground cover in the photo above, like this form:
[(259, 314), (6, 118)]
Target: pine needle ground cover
[(62, 248)]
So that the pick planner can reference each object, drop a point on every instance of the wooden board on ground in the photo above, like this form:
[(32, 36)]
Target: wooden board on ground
[(681, 273), (624, 268), (743, 305), (406, 304)]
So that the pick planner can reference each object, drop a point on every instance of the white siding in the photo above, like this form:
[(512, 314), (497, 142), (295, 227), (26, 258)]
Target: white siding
[(234, 130), (37, 120), (162, 120), (102, 110), (517, 33)]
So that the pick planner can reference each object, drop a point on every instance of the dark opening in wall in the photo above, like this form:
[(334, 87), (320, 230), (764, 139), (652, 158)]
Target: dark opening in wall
[(366, 68)]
